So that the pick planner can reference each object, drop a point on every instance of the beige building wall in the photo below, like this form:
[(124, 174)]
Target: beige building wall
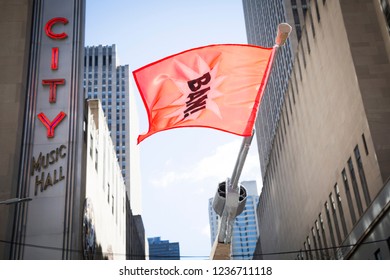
[(15, 25), (338, 98), (105, 187)]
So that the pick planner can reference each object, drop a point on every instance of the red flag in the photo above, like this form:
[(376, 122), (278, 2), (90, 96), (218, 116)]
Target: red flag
[(216, 86)]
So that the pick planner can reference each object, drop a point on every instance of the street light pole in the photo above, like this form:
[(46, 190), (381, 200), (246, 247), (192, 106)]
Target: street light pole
[(232, 198), (15, 200)]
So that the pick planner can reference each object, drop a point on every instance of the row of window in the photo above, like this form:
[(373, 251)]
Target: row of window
[(285, 119), (336, 215), (262, 19), (104, 88), (286, 116), (111, 199), (108, 95), (290, 97), (120, 73)]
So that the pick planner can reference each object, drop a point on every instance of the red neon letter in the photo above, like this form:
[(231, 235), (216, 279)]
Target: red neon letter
[(51, 125), (49, 26), (54, 58), (53, 88)]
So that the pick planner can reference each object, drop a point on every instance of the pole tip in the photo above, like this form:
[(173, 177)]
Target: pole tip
[(284, 30)]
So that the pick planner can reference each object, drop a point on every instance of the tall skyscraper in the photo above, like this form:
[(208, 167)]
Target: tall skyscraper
[(163, 249), (109, 82), (104, 80), (245, 229), (326, 187)]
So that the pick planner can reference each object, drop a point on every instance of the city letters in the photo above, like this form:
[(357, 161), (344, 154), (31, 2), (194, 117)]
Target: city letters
[(46, 177), (52, 83)]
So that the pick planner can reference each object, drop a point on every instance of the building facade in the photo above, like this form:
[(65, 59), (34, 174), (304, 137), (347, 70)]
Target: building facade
[(261, 19), (245, 228), (15, 26), (109, 82), (105, 194), (56, 148), (51, 168), (325, 187), (106, 81), (163, 249), (136, 246)]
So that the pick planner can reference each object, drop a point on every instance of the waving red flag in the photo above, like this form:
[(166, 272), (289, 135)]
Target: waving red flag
[(216, 86)]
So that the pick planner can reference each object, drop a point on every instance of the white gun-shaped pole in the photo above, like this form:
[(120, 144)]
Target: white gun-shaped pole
[(230, 198)]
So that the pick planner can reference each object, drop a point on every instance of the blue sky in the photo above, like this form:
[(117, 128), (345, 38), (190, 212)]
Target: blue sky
[(180, 168)]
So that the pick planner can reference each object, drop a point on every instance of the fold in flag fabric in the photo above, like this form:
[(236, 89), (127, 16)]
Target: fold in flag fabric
[(215, 86)]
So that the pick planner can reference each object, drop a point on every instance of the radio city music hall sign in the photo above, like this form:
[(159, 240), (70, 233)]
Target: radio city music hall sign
[(45, 177)]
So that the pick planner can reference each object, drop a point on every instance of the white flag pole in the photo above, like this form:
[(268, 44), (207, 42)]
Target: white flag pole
[(234, 194)]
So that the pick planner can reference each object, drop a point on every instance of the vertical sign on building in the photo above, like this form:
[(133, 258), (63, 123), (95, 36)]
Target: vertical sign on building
[(44, 228)]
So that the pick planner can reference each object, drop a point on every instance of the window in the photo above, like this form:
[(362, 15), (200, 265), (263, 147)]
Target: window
[(307, 41), (362, 176), (315, 243), (349, 196), (335, 220), (327, 212), (378, 255), (113, 204), (365, 144), (293, 93), (312, 23), (340, 208), (96, 159), (299, 67), (325, 252), (303, 56), (317, 11), (300, 256), (91, 146), (297, 23), (317, 226), (309, 247), (108, 193), (355, 187), (304, 7), (306, 250)]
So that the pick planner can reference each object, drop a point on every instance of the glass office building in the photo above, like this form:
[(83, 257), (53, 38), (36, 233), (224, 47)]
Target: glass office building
[(163, 249)]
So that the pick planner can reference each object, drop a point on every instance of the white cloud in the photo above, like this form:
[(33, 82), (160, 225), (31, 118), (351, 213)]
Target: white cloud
[(206, 230), (217, 166)]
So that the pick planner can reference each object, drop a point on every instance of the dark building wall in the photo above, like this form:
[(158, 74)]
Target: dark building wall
[(368, 48), (15, 28), (135, 235)]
